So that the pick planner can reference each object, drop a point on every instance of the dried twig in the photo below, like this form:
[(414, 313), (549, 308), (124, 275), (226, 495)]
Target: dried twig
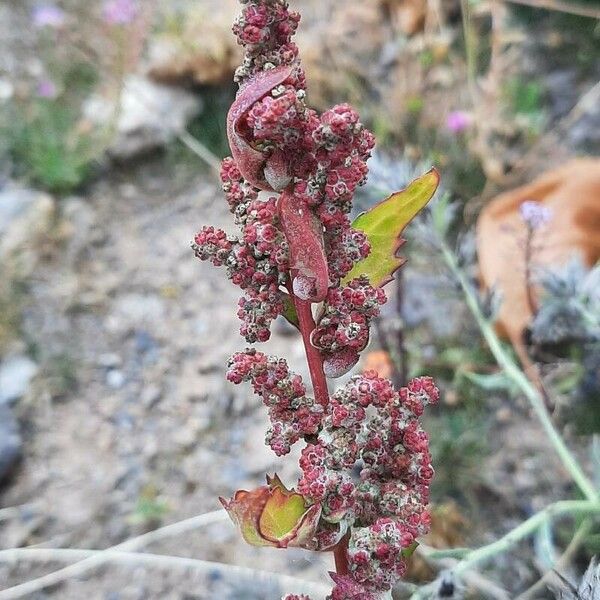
[(133, 544), (155, 561), (474, 558), (561, 564)]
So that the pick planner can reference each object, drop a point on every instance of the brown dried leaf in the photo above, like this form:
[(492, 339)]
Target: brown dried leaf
[(572, 193)]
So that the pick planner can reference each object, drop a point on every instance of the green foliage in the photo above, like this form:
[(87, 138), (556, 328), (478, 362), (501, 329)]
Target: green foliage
[(578, 40), (524, 97), (209, 126), (415, 104), (60, 374), (383, 224), (458, 445), (46, 138), (149, 509), (11, 297), (48, 147), (525, 100), (426, 58)]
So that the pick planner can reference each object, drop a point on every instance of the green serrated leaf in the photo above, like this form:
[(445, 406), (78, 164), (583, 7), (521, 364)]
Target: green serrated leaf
[(383, 225)]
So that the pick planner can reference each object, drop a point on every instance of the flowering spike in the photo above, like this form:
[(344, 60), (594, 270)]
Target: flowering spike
[(366, 467)]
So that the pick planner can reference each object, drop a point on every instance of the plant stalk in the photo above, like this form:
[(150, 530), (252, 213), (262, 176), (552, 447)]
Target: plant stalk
[(321, 391), (340, 554), (514, 372), (313, 356), (473, 558)]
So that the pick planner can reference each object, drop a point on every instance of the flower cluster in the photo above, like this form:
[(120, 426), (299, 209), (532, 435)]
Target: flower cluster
[(343, 327), (120, 12), (257, 262), (368, 423), (303, 239), (292, 413), (265, 29), (366, 467), (535, 214)]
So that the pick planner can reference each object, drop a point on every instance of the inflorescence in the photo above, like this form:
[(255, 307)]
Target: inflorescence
[(290, 185)]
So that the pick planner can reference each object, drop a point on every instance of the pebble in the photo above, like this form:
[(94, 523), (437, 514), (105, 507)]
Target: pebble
[(151, 115), (115, 379), (150, 395), (11, 443), (16, 373), (109, 360)]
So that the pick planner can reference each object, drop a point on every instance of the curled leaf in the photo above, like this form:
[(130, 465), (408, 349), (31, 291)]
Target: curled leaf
[(272, 515), (308, 262), (261, 170), (383, 224), (339, 363)]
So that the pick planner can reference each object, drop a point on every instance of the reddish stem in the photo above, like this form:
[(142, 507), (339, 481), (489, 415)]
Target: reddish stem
[(319, 382), (340, 554), (313, 356)]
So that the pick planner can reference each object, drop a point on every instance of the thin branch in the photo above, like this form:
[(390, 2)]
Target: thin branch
[(402, 351), (199, 149), (395, 360), (571, 8), (45, 555), (514, 372), (561, 564), (11, 512), (98, 559), (485, 553), (473, 579)]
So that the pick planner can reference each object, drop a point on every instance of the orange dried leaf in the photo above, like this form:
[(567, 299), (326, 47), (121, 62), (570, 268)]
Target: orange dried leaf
[(572, 193)]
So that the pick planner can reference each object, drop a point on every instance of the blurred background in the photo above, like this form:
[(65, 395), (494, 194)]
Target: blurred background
[(115, 416)]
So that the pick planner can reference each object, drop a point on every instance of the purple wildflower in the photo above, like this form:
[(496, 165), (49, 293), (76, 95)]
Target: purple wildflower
[(119, 12), (48, 15), (458, 121), (535, 214), (46, 88)]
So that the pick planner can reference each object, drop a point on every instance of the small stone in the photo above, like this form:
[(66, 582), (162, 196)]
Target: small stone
[(16, 373), (11, 444), (151, 394), (115, 379), (203, 51), (186, 437), (136, 309), (504, 415), (144, 342), (151, 115), (109, 360), (24, 216)]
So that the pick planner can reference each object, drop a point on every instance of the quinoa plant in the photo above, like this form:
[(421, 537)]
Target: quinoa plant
[(366, 466)]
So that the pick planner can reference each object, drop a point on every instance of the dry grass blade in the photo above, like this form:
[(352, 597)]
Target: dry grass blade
[(157, 561)]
